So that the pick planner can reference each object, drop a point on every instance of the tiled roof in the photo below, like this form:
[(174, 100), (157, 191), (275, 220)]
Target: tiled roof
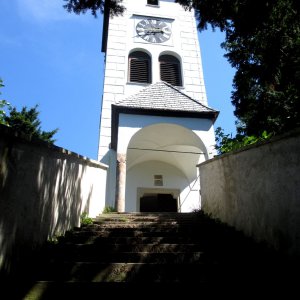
[(163, 96)]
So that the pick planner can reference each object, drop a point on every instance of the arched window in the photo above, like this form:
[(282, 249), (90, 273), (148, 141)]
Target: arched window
[(139, 67), (170, 69)]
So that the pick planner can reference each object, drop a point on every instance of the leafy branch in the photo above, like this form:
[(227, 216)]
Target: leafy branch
[(226, 143), (4, 105)]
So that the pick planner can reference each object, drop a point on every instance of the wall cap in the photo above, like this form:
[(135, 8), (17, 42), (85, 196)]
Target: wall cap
[(276, 138), (23, 138)]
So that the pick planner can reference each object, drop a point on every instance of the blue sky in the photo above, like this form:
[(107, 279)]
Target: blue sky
[(52, 58)]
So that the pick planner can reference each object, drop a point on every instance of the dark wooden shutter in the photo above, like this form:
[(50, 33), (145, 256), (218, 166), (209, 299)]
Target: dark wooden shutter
[(139, 67), (170, 70), (152, 2)]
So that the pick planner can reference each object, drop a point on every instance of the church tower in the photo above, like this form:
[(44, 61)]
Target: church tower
[(156, 125)]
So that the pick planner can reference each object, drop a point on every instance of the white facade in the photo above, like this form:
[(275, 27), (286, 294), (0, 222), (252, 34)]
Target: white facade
[(175, 144), (182, 137)]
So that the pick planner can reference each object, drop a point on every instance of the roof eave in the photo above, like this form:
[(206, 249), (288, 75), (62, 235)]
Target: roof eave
[(167, 112)]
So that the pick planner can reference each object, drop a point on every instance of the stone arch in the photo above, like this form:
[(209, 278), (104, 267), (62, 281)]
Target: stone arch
[(165, 138), (170, 150)]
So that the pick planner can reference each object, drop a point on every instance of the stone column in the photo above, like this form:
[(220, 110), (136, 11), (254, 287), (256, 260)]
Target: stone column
[(120, 182)]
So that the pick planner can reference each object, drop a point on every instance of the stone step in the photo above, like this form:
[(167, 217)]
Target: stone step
[(155, 272), (136, 233), (134, 224), (97, 249), (146, 219), (146, 225), (157, 215), (149, 218), (226, 288), (89, 238), (130, 220), (49, 290), (140, 230), (132, 257), (101, 219), (173, 252), (127, 272)]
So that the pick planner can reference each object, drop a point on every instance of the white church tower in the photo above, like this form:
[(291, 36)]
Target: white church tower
[(156, 125)]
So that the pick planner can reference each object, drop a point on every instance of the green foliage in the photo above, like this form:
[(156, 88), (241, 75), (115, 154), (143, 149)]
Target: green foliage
[(53, 240), (227, 143), (82, 6), (4, 105), (27, 121), (108, 210), (85, 219), (263, 44)]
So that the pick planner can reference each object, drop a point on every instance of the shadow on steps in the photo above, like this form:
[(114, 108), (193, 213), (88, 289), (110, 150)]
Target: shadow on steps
[(170, 254)]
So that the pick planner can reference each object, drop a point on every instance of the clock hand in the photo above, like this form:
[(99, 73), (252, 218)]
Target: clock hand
[(156, 30)]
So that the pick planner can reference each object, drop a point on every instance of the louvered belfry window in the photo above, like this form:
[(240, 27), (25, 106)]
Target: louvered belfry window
[(170, 70), (139, 67)]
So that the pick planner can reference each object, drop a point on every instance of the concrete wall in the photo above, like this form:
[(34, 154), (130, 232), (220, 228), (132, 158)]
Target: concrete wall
[(43, 191), (258, 191)]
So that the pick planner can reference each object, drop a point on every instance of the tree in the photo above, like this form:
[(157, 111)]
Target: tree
[(263, 44), (82, 6), (27, 121), (226, 143)]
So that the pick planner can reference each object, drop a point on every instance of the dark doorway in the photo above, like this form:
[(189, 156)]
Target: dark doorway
[(158, 203)]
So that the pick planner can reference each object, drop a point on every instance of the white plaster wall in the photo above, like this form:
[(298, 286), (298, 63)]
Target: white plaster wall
[(257, 191), (142, 176), (93, 187), (131, 124), (43, 191)]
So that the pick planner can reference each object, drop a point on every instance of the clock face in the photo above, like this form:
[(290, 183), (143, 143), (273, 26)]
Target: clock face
[(153, 30)]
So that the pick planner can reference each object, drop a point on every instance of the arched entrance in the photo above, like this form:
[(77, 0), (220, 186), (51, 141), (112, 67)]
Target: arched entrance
[(161, 170)]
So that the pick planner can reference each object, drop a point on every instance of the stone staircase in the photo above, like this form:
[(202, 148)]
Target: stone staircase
[(169, 253)]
